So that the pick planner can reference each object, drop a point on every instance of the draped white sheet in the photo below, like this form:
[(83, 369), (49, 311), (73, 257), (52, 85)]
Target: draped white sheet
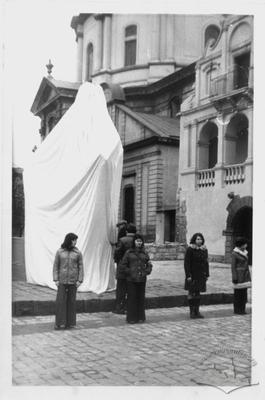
[(72, 184)]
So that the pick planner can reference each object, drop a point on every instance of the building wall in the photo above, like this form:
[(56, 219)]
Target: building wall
[(170, 157), (143, 168), (204, 195), (165, 43)]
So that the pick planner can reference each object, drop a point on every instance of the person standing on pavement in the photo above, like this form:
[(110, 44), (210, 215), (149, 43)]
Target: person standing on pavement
[(196, 268), (123, 245), (240, 275), (137, 265), (67, 275)]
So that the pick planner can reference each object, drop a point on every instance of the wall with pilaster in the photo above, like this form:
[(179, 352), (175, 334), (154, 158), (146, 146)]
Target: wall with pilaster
[(146, 164), (165, 43)]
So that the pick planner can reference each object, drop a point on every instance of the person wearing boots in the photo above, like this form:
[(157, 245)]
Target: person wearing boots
[(137, 265), (196, 268), (68, 275), (240, 275), (123, 245)]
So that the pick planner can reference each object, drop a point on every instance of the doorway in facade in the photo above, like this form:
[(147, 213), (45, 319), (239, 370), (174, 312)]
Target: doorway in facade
[(128, 204), (170, 224), (242, 226)]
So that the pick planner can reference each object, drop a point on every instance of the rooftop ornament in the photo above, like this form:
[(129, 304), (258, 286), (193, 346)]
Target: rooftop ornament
[(49, 67)]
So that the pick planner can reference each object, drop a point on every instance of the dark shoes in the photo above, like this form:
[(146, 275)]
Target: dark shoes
[(61, 327), (199, 315), (141, 321), (195, 313), (241, 310)]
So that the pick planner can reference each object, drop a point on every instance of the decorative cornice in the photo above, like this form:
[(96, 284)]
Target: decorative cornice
[(139, 157), (150, 141)]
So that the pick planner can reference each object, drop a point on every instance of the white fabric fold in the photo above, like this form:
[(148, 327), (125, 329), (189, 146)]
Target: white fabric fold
[(72, 184)]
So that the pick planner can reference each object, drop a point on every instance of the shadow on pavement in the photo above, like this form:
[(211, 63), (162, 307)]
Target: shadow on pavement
[(110, 320)]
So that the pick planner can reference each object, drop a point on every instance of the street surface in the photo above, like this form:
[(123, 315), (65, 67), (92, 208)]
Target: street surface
[(169, 349)]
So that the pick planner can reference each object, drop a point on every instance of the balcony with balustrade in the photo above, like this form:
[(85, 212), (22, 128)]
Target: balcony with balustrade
[(230, 175), (231, 84)]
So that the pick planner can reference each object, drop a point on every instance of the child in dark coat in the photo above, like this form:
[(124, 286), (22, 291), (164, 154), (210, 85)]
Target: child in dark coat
[(137, 265), (196, 273)]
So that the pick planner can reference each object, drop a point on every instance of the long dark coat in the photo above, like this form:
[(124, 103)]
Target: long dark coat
[(197, 268), (240, 268)]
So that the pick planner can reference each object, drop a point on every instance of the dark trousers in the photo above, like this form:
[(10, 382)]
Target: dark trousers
[(240, 300), (121, 294), (136, 301), (65, 306)]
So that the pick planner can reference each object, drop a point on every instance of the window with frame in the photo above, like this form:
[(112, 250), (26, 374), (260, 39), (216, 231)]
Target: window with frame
[(130, 45), (241, 70)]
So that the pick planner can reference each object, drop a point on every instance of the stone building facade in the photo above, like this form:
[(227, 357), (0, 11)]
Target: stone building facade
[(136, 49), (216, 155), (179, 91)]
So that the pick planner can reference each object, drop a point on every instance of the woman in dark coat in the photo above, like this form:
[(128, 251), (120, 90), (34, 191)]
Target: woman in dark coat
[(240, 275), (67, 275), (196, 272), (136, 265)]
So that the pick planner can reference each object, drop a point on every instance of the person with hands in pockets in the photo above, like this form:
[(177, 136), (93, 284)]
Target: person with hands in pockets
[(68, 275), (196, 268), (136, 265)]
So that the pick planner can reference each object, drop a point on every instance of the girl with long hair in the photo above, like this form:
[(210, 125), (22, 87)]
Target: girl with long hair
[(68, 276)]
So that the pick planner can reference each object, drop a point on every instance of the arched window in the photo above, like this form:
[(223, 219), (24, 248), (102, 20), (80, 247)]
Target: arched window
[(130, 45), (236, 140), (89, 62), (208, 146), (211, 35)]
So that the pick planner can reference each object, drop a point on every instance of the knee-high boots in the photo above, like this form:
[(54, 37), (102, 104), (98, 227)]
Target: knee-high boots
[(197, 309), (194, 304), (192, 308)]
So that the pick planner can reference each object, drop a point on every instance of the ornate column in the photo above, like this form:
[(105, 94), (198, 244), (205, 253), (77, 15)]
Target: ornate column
[(170, 37), (220, 148), (79, 40), (155, 38), (163, 37), (219, 167), (107, 42), (250, 136), (197, 84), (99, 44)]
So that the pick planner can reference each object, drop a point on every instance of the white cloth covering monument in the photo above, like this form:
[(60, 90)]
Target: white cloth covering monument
[(72, 184)]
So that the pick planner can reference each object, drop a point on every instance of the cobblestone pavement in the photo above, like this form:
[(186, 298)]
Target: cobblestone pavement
[(169, 349)]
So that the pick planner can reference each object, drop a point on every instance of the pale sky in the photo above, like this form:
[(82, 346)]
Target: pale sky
[(32, 37), (39, 30)]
